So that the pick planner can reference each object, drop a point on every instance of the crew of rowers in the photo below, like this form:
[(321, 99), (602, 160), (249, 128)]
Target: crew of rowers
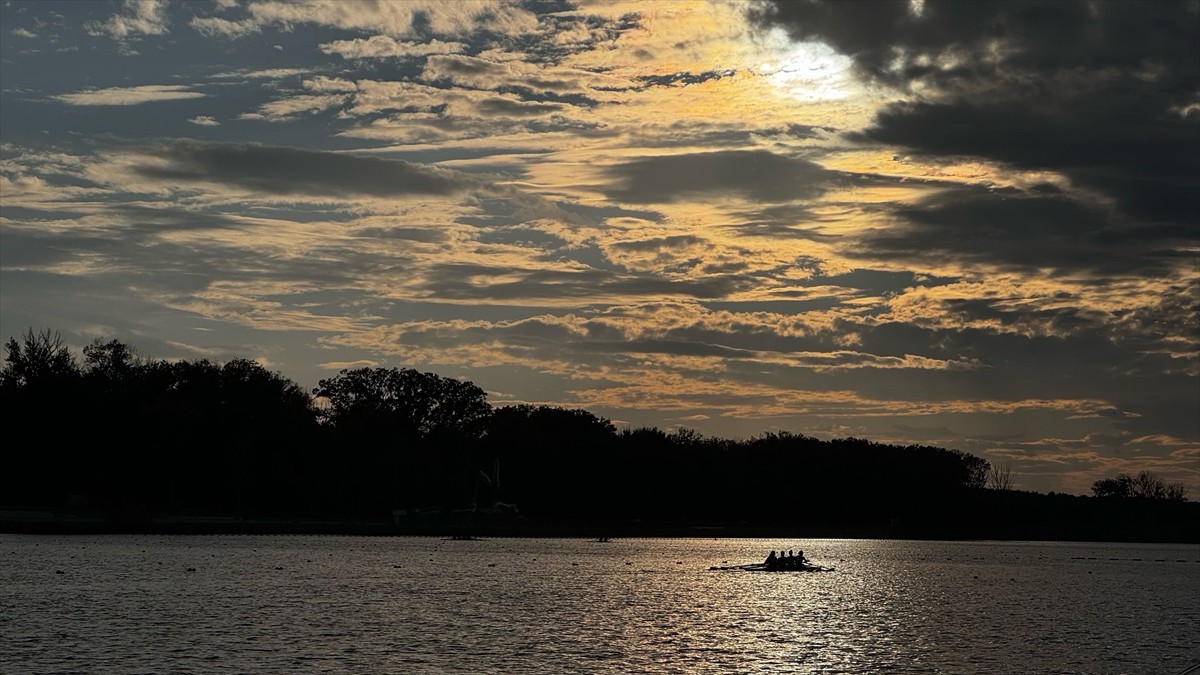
[(786, 561)]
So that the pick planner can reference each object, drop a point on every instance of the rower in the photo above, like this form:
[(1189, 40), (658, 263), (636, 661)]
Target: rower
[(770, 559)]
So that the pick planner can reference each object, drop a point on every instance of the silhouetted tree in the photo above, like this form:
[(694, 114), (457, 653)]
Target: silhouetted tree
[(1000, 476), (1145, 485), (41, 397), (132, 436), (112, 360), (39, 359), (555, 461), (419, 403), (408, 434), (1121, 486)]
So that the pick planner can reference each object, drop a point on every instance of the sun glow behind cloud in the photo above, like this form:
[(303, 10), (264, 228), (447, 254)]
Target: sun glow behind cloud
[(809, 71)]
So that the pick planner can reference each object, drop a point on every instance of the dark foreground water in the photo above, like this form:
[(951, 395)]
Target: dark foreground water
[(311, 604)]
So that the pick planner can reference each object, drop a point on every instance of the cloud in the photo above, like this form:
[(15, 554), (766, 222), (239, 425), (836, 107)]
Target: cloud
[(1095, 91), (23, 32), (287, 171), (284, 109), (372, 96), (401, 19), (149, 93), (330, 85), (140, 17), (1116, 141), (421, 105), (706, 176), (382, 46), (562, 286), (266, 73), (204, 121), (500, 106), (215, 26), (659, 243), (683, 79), (1030, 232), (615, 341), (1074, 463), (480, 73)]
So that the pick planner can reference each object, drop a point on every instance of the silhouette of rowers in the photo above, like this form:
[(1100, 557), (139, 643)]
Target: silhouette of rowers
[(785, 561)]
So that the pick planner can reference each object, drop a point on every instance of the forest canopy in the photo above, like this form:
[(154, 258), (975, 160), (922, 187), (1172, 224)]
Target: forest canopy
[(130, 435)]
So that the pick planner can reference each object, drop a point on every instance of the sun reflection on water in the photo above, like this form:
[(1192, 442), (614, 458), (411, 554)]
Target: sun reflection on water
[(289, 604)]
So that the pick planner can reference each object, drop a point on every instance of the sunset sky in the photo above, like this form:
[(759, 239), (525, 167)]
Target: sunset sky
[(967, 224)]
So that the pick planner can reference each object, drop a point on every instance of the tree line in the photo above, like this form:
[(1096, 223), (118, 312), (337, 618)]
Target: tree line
[(132, 436)]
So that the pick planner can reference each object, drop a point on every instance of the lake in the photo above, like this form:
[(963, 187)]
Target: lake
[(312, 604)]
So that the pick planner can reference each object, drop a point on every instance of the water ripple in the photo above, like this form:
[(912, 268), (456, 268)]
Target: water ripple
[(236, 604)]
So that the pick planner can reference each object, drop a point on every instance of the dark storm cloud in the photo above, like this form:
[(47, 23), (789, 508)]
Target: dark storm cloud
[(754, 174), (1124, 144), (1105, 92), (1031, 35), (1025, 232), (281, 170)]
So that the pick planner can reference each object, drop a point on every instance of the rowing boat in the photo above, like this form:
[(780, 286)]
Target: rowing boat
[(763, 567)]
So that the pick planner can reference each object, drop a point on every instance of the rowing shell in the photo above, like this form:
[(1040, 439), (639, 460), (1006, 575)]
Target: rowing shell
[(760, 567)]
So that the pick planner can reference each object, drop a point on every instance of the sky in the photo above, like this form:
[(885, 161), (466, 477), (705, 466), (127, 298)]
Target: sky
[(974, 225)]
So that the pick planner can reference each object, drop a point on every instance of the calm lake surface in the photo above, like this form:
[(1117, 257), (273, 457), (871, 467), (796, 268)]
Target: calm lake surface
[(312, 604)]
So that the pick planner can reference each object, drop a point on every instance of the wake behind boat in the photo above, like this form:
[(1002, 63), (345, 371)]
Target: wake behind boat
[(784, 562)]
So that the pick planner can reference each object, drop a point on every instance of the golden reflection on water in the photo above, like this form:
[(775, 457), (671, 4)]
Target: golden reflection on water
[(413, 605)]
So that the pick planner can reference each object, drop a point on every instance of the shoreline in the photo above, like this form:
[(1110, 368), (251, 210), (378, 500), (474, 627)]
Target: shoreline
[(41, 522)]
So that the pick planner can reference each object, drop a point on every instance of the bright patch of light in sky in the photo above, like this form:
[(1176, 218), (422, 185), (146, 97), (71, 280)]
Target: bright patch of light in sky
[(811, 71)]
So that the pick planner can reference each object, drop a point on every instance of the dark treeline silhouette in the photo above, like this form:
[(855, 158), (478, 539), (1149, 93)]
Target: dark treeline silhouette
[(126, 438), (1145, 485)]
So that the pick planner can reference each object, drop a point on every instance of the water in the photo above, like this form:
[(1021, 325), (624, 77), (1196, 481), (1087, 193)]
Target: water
[(312, 604)]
